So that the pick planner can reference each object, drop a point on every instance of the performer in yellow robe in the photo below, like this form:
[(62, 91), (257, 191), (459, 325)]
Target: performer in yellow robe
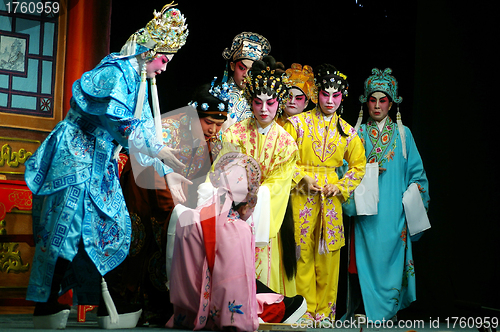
[(276, 151), (324, 141)]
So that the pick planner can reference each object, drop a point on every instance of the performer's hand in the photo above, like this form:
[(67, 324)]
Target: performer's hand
[(168, 156), (308, 185), (330, 190), (381, 170), (175, 181)]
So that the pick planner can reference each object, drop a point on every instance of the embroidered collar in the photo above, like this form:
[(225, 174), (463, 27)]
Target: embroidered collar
[(380, 139)]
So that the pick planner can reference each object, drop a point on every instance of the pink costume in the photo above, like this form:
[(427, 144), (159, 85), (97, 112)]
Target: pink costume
[(212, 281)]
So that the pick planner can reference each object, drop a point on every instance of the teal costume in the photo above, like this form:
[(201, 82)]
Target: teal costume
[(382, 244), (383, 249)]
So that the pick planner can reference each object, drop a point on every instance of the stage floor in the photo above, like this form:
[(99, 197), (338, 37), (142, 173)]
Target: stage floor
[(20, 319)]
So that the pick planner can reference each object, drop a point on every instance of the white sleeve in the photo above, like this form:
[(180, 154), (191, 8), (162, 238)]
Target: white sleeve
[(261, 217)]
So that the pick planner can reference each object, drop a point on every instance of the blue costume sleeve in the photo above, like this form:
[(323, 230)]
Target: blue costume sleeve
[(110, 93)]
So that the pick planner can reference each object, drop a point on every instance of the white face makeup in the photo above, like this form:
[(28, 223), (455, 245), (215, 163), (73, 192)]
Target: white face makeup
[(264, 108), (297, 102), (329, 100)]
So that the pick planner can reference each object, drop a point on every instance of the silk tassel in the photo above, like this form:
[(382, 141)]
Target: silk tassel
[(401, 129), (108, 301)]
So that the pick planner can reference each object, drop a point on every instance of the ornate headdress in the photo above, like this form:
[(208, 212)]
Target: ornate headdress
[(238, 175), (266, 78), (216, 102), (165, 33), (382, 81), (327, 76), (302, 78), (247, 45)]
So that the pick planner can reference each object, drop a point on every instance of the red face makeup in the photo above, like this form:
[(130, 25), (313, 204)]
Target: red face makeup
[(158, 65), (240, 69), (378, 106)]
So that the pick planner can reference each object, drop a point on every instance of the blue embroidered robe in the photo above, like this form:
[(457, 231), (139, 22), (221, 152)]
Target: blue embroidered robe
[(77, 199)]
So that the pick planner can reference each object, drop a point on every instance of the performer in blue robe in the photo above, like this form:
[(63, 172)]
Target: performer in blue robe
[(79, 213), (382, 253)]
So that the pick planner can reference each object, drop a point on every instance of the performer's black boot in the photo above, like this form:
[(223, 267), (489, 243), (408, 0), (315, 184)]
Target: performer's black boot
[(52, 314), (295, 306)]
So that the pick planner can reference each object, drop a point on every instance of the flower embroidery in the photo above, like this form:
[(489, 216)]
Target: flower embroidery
[(234, 308), (350, 175), (331, 233), (403, 235), (410, 268), (332, 214), (305, 212), (390, 155), (420, 188), (214, 313), (333, 310)]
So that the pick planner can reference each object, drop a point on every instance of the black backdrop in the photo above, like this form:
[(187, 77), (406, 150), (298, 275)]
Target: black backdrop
[(441, 53)]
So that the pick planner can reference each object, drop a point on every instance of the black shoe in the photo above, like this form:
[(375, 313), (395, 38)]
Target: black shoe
[(295, 307), (52, 314)]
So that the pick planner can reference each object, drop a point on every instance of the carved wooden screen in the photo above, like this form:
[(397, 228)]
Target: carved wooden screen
[(32, 50), (32, 57)]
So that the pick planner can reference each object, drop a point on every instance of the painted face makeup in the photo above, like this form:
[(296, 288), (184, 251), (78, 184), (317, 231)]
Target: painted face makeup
[(264, 108), (240, 69), (297, 103), (378, 106), (158, 65), (210, 127), (329, 100)]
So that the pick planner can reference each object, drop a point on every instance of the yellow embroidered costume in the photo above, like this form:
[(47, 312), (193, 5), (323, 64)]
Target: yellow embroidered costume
[(319, 231)]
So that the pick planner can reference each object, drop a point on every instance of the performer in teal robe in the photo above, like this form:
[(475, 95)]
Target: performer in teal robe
[(79, 212), (382, 253)]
